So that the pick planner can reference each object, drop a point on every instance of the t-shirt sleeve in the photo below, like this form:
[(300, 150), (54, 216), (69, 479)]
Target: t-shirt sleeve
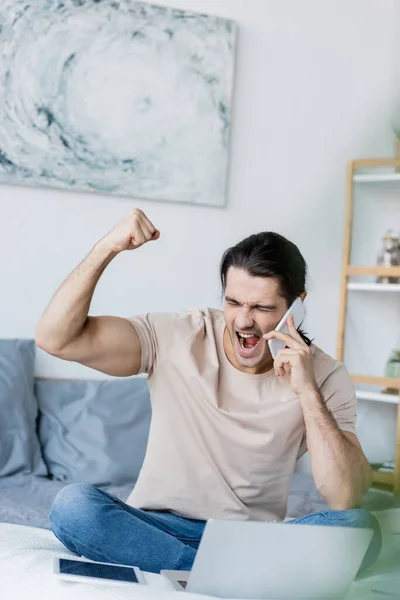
[(338, 392), (154, 330), (340, 397)]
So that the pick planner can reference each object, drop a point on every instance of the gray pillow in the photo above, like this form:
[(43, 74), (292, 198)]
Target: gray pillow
[(19, 444), (94, 431)]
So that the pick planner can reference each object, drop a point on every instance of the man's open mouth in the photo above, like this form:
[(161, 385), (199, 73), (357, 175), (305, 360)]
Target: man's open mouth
[(248, 344)]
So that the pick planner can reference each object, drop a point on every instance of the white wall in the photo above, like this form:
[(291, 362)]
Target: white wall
[(315, 86)]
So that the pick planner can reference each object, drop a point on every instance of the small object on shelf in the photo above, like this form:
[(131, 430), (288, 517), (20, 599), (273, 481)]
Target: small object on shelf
[(393, 365), (389, 256), (393, 370)]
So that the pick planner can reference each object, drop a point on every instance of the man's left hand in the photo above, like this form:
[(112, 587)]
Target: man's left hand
[(294, 360)]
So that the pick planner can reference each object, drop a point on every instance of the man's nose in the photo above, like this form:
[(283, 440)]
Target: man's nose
[(244, 320)]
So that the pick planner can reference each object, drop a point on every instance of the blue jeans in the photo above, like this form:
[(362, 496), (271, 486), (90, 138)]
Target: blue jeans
[(99, 526)]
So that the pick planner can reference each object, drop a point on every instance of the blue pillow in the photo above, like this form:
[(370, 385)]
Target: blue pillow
[(94, 431), (19, 444)]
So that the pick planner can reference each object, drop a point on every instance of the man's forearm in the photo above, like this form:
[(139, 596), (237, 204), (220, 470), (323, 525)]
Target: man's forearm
[(67, 312), (340, 469)]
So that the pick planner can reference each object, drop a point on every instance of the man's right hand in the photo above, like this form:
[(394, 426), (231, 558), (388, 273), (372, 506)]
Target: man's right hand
[(130, 233)]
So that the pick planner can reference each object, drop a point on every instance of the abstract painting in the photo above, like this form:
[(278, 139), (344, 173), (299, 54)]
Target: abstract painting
[(116, 97)]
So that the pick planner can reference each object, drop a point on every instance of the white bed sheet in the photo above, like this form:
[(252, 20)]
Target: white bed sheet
[(26, 556)]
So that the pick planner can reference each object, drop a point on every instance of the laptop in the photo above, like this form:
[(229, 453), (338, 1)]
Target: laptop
[(274, 561)]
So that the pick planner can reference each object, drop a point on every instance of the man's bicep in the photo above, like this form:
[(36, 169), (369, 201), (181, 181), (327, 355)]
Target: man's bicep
[(111, 345)]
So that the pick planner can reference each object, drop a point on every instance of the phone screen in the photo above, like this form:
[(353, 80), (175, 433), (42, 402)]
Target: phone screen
[(87, 569)]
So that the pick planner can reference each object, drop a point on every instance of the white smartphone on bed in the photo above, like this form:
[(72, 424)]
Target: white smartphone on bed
[(298, 312), (79, 569)]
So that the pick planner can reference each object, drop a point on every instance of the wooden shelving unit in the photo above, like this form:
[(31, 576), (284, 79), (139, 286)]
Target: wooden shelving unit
[(391, 479)]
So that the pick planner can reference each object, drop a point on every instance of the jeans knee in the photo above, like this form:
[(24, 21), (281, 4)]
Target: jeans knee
[(71, 505), (359, 517)]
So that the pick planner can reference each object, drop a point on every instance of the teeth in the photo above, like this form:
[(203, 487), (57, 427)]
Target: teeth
[(246, 335)]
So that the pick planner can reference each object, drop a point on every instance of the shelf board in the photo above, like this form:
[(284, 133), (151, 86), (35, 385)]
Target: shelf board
[(385, 477), (388, 382), (377, 397), (381, 271), (376, 177), (375, 163), (373, 287)]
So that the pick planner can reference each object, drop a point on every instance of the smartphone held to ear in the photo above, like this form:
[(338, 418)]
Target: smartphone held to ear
[(298, 313)]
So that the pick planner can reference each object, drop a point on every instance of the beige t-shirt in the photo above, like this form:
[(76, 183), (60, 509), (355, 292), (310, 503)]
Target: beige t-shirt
[(223, 444)]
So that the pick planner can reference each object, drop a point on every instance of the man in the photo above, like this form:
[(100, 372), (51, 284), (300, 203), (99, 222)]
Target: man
[(228, 421)]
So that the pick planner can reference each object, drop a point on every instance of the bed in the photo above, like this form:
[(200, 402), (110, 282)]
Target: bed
[(26, 555)]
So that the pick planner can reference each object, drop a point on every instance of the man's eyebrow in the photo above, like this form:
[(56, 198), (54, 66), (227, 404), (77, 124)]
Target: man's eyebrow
[(266, 306)]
